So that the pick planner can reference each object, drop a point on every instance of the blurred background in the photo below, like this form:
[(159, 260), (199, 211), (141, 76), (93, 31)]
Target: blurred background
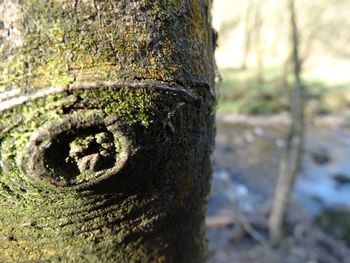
[(256, 79)]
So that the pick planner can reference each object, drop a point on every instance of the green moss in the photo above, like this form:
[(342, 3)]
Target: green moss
[(125, 217), (98, 43), (133, 105), (336, 221), (49, 214)]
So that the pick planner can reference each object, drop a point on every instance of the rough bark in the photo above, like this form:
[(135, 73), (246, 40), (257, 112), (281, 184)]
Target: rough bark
[(106, 130), (290, 163)]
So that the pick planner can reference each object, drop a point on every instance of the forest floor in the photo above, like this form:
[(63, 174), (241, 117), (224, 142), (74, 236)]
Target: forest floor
[(246, 163)]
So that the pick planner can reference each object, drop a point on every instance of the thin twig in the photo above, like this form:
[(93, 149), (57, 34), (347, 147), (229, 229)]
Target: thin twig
[(158, 85)]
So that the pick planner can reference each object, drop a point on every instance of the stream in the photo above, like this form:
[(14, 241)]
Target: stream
[(247, 156)]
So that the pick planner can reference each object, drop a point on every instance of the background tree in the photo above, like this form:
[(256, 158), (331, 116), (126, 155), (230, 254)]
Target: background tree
[(247, 33), (291, 159), (106, 128), (258, 24)]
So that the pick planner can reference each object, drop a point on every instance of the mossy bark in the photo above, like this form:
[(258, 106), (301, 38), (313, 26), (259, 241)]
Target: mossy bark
[(106, 130)]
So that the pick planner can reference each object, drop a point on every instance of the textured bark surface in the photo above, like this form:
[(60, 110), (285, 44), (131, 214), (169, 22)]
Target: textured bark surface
[(106, 130)]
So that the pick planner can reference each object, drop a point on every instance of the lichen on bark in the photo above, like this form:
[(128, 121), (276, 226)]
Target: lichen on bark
[(106, 128), (106, 40)]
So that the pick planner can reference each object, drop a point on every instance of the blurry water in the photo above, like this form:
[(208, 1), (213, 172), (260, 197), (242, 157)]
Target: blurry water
[(229, 191), (247, 158)]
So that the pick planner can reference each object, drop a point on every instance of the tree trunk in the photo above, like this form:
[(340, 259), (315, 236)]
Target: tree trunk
[(247, 34), (106, 130), (291, 160), (259, 50)]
